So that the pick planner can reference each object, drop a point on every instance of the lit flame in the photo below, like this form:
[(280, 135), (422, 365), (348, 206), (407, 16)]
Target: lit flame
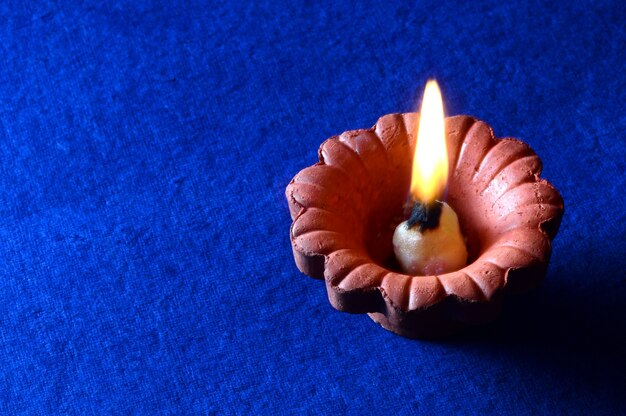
[(430, 163)]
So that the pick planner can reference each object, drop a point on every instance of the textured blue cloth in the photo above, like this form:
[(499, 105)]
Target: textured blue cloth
[(144, 152)]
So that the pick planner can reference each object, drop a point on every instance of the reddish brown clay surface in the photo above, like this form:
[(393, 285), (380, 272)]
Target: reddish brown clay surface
[(346, 207)]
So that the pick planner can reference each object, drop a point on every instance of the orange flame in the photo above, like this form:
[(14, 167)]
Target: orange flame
[(430, 162)]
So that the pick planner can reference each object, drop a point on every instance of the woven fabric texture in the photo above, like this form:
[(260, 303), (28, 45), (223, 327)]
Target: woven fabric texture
[(145, 147)]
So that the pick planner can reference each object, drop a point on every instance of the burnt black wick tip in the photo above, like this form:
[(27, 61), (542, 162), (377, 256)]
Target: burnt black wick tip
[(425, 215)]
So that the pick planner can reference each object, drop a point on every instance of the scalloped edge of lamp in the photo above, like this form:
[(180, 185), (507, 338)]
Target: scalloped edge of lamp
[(345, 207)]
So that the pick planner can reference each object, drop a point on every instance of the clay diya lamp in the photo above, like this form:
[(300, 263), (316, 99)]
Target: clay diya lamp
[(346, 207)]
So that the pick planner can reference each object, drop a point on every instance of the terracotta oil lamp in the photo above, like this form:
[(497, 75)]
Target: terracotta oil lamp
[(347, 206)]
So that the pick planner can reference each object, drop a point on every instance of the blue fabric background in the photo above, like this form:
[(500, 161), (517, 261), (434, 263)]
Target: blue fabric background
[(144, 152)]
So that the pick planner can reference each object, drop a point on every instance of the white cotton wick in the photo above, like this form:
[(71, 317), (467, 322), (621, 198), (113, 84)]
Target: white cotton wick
[(432, 251)]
